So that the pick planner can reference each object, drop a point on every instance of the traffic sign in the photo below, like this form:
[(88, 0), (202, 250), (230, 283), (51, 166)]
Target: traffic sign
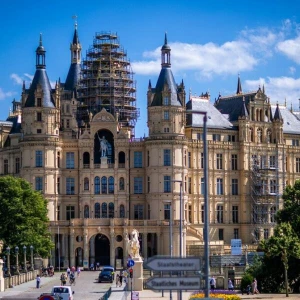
[(130, 263), (174, 283), (135, 296), (159, 263)]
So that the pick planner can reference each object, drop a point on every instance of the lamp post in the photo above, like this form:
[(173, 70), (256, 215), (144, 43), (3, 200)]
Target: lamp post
[(8, 261), (246, 256), (25, 267), (206, 199), (31, 254), (17, 259)]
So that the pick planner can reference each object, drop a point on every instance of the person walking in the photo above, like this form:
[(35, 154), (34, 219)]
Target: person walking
[(63, 279), (121, 278), (230, 285), (68, 272), (213, 283), (78, 271), (38, 281), (117, 280)]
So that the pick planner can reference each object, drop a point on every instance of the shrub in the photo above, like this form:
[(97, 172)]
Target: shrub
[(246, 280)]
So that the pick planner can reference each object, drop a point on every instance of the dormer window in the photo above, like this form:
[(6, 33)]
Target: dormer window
[(166, 101), (39, 102)]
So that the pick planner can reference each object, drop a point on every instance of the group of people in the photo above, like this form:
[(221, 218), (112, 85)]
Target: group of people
[(120, 278), (95, 267), (70, 274)]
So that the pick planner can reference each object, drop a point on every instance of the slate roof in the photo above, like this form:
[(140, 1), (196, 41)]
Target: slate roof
[(72, 77), (15, 122), (214, 118), (166, 77), (40, 78), (291, 122)]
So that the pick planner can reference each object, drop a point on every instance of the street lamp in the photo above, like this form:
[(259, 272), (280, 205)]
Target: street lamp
[(8, 261), (246, 256), (206, 199), (31, 253), (17, 259), (25, 267)]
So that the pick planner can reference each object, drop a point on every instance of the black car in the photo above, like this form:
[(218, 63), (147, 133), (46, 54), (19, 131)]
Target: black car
[(105, 276)]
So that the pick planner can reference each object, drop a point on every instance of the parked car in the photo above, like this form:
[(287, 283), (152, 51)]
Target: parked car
[(49, 296), (105, 276), (65, 292), (109, 268)]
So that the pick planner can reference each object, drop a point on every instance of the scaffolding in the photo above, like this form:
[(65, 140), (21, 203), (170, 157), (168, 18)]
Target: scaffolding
[(107, 82), (265, 191)]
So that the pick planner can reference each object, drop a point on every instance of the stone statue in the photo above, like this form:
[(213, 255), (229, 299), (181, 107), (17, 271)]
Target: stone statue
[(103, 146), (134, 244), (1, 246)]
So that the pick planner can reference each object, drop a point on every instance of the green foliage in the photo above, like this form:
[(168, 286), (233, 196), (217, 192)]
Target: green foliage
[(246, 280), (23, 215)]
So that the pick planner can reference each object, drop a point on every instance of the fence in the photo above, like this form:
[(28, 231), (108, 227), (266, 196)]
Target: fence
[(106, 295), (19, 279)]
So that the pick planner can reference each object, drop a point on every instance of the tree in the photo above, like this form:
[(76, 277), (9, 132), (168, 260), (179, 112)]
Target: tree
[(23, 215), (284, 243)]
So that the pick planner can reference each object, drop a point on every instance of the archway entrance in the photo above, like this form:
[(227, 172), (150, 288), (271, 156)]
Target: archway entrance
[(102, 249)]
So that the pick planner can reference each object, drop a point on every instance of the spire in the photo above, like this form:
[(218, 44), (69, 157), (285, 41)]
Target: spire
[(277, 114), (166, 54), (75, 37), (40, 55), (149, 85), (244, 111), (239, 86), (263, 90)]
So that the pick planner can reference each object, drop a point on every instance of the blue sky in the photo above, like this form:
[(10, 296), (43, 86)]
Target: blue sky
[(211, 41)]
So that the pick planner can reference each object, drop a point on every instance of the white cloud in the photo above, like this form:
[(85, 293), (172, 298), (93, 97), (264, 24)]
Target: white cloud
[(19, 79), (292, 70), (4, 95), (278, 89), (16, 78), (290, 48)]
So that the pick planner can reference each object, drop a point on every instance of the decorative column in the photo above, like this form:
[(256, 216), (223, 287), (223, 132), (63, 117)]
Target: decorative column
[(85, 248), (112, 247), (125, 247), (62, 255), (92, 249), (67, 258), (72, 254)]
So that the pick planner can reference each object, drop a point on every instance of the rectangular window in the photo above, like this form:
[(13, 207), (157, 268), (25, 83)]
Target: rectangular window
[(166, 101), (234, 162), (167, 157), (201, 160), (189, 185), (39, 116), (148, 184), (216, 137), (38, 158), (70, 186), (219, 161), (235, 214), (202, 214), (58, 185), (17, 166), (220, 216), (138, 212), (190, 214), (295, 142), (298, 164), (138, 159), (70, 212), (219, 186), (199, 136), (166, 115), (39, 184), (273, 186), (231, 138), (39, 102), (189, 159), (235, 233), (148, 158), (70, 160), (221, 234), (202, 186), (234, 187), (272, 161), (138, 185), (266, 233), (58, 159), (167, 211), (58, 212), (68, 123), (5, 165), (167, 184)]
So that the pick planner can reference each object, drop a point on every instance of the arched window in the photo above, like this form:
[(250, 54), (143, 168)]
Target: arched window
[(121, 159), (86, 160), (259, 135), (111, 185), (251, 135), (97, 210), (121, 184), (104, 210), (97, 185), (104, 185), (86, 184), (111, 210), (86, 211), (122, 211)]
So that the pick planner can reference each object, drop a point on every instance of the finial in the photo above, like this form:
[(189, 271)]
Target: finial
[(166, 40), (75, 21), (190, 93), (41, 39)]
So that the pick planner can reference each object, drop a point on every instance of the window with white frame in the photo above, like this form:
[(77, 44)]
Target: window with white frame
[(138, 210), (234, 186), (39, 184), (167, 184), (167, 157), (38, 158), (138, 185), (166, 115), (219, 161), (70, 212), (167, 211), (138, 159), (297, 164), (219, 186), (70, 160), (235, 214), (70, 186), (220, 214), (234, 162)]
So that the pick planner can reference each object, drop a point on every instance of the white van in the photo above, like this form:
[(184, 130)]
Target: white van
[(65, 292)]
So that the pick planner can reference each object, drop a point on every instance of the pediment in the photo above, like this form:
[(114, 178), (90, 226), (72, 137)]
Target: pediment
[(103, 116), (85, 135)]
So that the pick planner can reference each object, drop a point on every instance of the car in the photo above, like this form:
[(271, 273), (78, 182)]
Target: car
[(105, 276), (65, 292), (108, 268), (49, 296)]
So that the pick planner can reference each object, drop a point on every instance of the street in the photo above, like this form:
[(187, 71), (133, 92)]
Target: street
[(86, 287)]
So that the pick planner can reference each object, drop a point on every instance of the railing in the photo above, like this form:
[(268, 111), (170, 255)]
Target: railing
[(106, 295), (19, 279)]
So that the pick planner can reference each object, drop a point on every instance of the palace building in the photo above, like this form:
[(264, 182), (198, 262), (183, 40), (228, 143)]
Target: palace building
[(76, 144)]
